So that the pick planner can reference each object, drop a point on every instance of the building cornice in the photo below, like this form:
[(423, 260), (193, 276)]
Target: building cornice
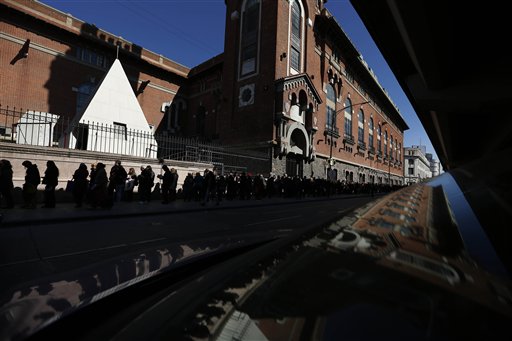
[(68, 23)]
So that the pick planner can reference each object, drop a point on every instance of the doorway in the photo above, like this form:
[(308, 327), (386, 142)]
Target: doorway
[(82, 136), (294, 165)]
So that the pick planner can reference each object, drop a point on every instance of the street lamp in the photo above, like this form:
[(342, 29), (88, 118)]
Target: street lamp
[(333, 121), (389, 161)]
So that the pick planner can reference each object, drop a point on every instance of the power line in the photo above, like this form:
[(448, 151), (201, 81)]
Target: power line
[(163, 23)]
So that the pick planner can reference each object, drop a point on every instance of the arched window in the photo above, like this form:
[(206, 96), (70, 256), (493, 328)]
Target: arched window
[(370, 134), (386, 143), (331, 107), (360, 127), (396, 149), (296, 36), (249, 39), (348, 117), (170, 113), (379, 139), (391, 152)]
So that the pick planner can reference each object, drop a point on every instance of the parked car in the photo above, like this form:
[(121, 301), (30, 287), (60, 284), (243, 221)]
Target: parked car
[(431, 261)]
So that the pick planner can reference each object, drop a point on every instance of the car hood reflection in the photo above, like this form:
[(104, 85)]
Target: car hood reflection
[(397, 268), (27, 310)]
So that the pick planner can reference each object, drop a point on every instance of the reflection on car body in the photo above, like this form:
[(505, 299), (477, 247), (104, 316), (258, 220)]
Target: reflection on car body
[(441, 273), (347, 275)]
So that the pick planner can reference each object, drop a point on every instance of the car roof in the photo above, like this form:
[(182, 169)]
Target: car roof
[(449, 58)]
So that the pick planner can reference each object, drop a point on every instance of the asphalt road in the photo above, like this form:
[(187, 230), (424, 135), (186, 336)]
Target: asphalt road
[(28, 253)]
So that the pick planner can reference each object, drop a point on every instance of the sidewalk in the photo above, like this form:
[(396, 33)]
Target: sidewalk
[(67, 212)]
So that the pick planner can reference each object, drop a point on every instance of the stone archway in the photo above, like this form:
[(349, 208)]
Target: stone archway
[(298, 151), (298, 140)]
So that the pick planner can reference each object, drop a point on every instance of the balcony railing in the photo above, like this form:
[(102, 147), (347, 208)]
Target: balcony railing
[(371, 150), (361, 146), (348, 139), (332, 131)]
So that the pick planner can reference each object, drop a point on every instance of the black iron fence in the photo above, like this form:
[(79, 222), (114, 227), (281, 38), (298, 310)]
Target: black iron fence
[(49, 130)]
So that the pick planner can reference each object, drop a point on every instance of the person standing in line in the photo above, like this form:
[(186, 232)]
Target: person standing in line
[(146, 182), (151, 176), (131, 182), (221, 188), (166, 183), (198, 187), (143, 184), (208, 186), (92, 174), (6, 184), (32, 180), (188, 185), (99, 193), (117, 182), (50, 180), (80, 187), (173, 185)]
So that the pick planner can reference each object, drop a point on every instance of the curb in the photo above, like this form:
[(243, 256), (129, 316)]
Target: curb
[(97, 214)]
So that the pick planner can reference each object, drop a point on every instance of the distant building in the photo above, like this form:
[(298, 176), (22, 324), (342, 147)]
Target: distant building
[(417, 166), (434, 165), (289, 83)]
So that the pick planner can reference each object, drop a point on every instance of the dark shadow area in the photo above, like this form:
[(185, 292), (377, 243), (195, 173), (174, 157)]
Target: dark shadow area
[(23, 53)]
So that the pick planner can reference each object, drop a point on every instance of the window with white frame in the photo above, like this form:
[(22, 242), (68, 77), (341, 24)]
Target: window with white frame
[(360, 127), (379, 139), (397, 147), (348, 117), (386, 143), (391, 147), (370, 134), (331, 107)]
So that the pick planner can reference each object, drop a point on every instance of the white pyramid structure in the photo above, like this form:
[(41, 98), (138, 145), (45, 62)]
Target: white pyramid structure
[(113, 121)]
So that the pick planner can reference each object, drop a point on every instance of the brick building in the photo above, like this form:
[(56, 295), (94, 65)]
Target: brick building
[(289, 83)]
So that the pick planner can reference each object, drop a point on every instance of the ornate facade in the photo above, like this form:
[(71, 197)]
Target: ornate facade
[(289, 82)]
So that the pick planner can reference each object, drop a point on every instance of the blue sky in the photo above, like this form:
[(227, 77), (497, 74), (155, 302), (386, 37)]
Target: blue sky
[(191, 31)]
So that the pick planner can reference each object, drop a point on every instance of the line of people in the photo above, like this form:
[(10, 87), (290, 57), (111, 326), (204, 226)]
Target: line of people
[(99, 189), (242, 186), (32, 180), (92, 186)]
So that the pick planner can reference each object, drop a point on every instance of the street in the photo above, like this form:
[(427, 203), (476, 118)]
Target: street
[(31, 252)]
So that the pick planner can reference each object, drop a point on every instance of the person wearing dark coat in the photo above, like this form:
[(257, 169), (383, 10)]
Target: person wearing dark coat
[(32, 180), (188, 185), (208, 186), (174, 184), (50, 180), (146, 180), (131, 183), (80, 187), (99, 195), (117, 182), (6, 184), (221, 187), (166, 183)]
